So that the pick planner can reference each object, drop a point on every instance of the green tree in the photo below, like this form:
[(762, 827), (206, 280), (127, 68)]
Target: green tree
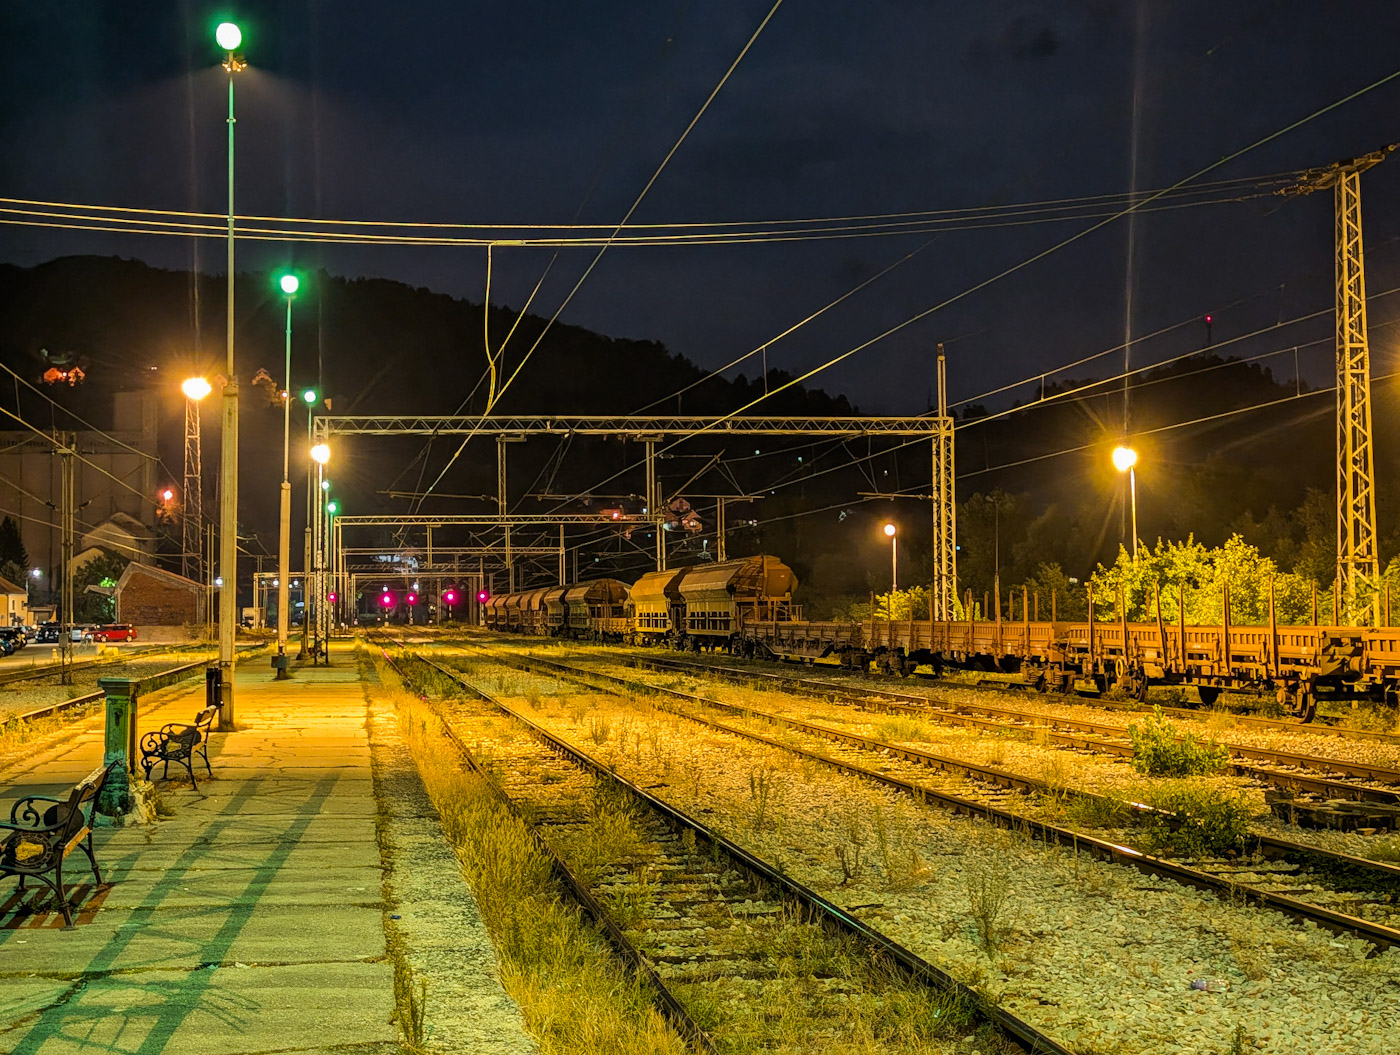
[(99, 571), (1190, 571), (14, 558)]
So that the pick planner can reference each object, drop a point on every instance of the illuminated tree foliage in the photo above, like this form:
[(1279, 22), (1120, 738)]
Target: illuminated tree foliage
[(1177, 570)]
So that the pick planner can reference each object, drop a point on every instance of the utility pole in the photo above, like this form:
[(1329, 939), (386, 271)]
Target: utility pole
[(945, 510), (67, 441), (1358, 565)]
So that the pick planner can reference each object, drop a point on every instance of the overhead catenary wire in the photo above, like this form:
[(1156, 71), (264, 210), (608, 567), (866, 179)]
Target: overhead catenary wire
[(635, 205), (498, 232), (1038, 256)]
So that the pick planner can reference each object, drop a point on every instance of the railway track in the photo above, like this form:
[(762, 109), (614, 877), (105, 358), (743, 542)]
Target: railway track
[(164, 677), (1291, 771), (1319, 726), (54, 669), (1289, 877), (714, 927)]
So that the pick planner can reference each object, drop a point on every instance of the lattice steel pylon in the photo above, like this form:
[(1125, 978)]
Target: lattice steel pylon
[(192, 538), (1358, 564), (945, 510)]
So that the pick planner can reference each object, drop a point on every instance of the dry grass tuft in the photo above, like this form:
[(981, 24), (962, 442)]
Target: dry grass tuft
[(575, 998)]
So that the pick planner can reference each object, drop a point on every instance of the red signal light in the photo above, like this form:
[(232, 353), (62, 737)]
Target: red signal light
[(482, 596), (386, 599), (331, 598), (412, 598), (449, 597)]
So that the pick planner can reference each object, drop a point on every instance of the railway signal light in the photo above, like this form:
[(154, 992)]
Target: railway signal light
[(449, 596), (331, 597), (412, 598), (482, 596), (386, 598)]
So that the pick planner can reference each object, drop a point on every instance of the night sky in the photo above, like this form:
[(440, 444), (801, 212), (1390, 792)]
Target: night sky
[(536, 112)]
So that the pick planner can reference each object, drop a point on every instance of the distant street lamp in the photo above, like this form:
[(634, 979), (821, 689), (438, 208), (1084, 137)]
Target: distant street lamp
[(309, 396), (1124, 460), (320, 454), (890, 531), (289, 285), (229, 38), (192, 517)]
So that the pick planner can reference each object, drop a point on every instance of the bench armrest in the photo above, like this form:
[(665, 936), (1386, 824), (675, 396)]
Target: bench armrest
[(30, 829), (30, 813)]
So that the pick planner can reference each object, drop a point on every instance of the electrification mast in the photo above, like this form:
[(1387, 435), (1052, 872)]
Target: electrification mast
[(1358, 566), (945, 512), (192, 527)]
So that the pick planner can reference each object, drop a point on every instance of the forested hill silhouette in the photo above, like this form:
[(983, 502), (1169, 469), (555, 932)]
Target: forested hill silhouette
[(1034, 483), (381, 347)]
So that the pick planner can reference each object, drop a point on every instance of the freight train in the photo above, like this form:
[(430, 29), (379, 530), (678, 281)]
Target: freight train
[(745, 607)]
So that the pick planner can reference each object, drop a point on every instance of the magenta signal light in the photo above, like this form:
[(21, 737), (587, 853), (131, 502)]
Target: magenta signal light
[(449, 597), (412, 598), (386, 599)]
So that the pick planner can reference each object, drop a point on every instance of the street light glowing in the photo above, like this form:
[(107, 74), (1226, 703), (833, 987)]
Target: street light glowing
[(229, 36), (289, 283), (167, 494), (321, 453), (196, 388), (1124, 458), (889, 530)]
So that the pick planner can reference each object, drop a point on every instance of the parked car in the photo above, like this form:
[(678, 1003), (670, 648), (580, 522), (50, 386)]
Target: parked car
[(83, 632), (15, 635), (49, 634), (7, 646), (115, 632)]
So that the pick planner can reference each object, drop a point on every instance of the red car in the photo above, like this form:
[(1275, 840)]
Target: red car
[(115, 632)]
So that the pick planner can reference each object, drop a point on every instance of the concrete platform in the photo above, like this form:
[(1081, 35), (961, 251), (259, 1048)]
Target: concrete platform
[(252, 918)]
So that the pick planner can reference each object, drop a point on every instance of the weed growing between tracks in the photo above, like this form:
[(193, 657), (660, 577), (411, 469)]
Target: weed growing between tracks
[(1210, 820), (574, 997), (1160, 750)]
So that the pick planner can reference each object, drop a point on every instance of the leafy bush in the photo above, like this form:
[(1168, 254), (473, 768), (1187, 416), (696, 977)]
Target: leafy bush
[(1159, 750), (1205, 820)]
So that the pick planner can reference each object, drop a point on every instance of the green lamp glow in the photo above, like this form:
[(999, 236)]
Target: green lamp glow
[(289, 283), (309, 397), (229, 36)]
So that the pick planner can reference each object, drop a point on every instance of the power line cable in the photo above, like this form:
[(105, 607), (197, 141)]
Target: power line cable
[(635, 205)]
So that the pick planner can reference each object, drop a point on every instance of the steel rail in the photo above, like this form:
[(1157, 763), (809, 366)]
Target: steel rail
[(1313, 728), (671, 1007), (1027, 1036), (50, 669), (944, 710), (1340, 923), (173, 675)]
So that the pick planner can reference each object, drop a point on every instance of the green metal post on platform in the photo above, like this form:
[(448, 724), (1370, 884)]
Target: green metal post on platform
[(119, 745)]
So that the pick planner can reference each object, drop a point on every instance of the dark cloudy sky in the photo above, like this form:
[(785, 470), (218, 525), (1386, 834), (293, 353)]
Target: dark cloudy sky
[(541, 112)]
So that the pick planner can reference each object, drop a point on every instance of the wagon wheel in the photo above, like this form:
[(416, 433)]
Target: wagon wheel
[(1208, 694), (1040, 684)]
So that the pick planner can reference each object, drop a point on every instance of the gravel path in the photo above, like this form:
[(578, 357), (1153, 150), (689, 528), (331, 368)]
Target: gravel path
[(1097, 954)]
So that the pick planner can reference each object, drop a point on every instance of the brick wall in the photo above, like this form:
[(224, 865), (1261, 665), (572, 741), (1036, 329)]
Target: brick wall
[(148, 601)]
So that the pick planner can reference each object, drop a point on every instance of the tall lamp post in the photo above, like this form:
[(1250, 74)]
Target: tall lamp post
[(289, 284), (229, 38), (320, 454), (890, 532), (309, 397), (1124, 460)]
